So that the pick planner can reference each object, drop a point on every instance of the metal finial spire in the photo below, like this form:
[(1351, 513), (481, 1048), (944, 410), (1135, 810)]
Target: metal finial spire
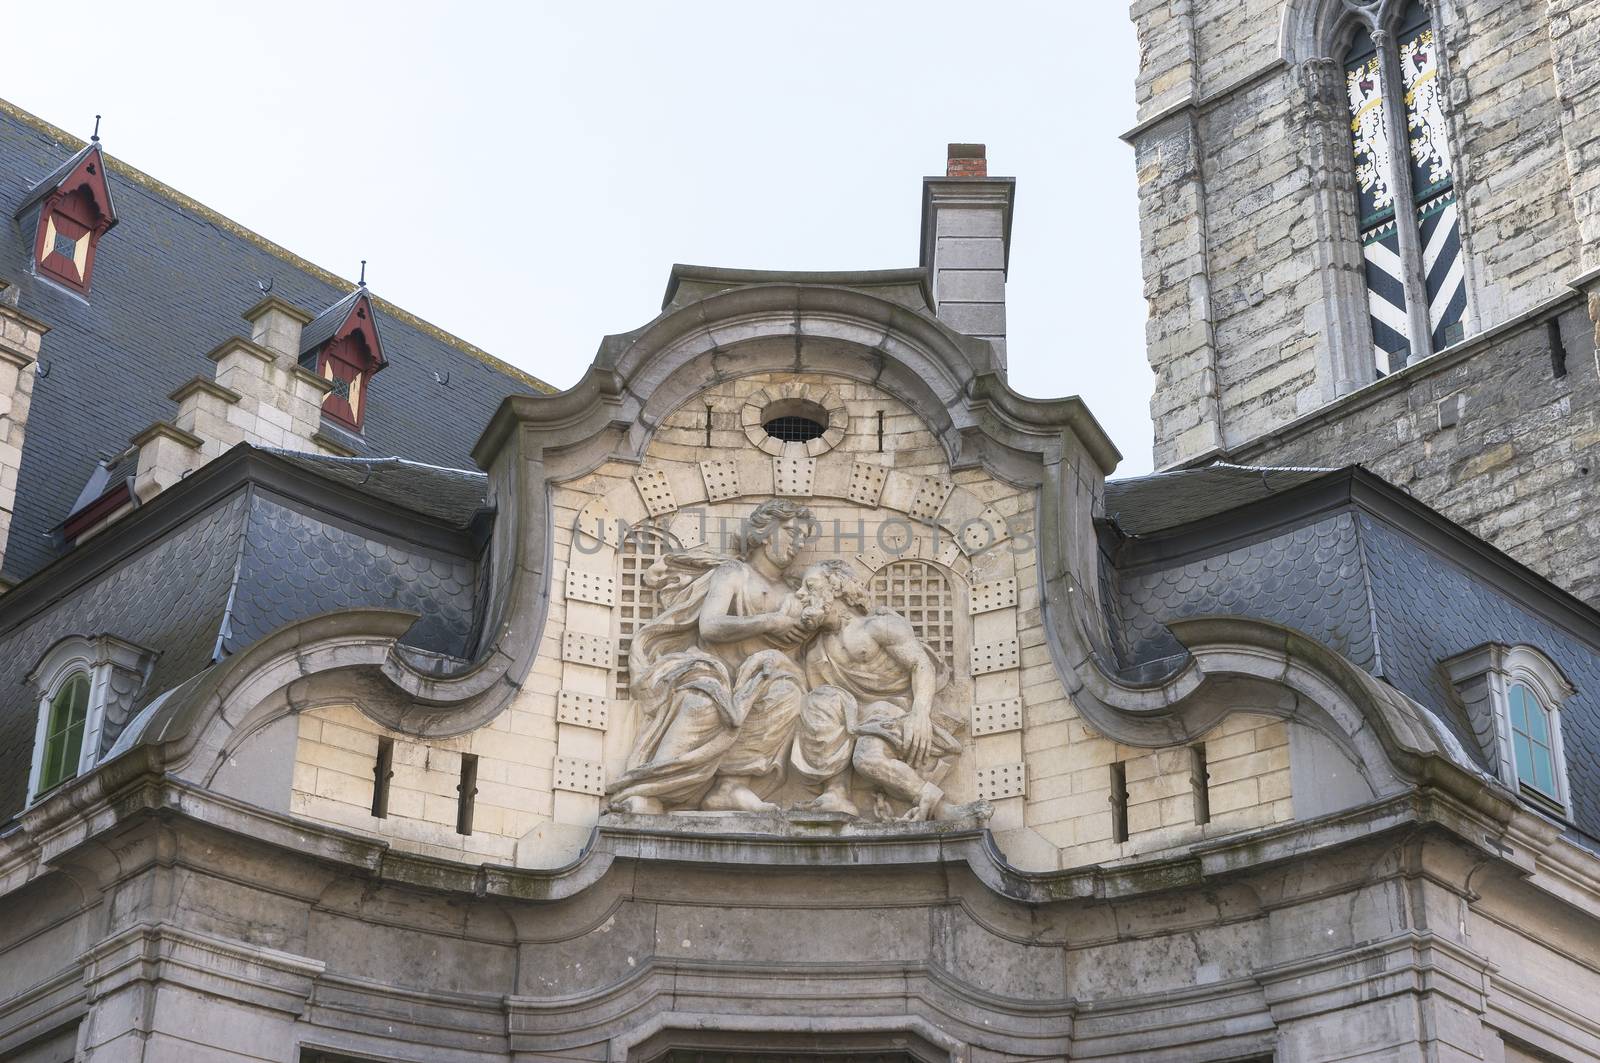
[(363, 273), (96, 137)]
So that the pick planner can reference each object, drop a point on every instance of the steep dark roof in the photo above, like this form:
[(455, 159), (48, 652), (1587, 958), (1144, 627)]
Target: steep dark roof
[(1142, 505), (251, 542), (170, 283)]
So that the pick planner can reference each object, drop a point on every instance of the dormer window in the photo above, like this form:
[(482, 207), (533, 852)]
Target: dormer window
[(87, 688), (1513, 697), (341, 345), (75, 211)]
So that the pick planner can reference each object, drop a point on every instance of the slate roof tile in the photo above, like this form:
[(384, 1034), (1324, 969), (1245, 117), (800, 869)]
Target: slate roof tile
[(170, 284)]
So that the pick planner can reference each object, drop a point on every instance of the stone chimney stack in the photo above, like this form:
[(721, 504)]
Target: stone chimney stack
[(20, 336), (276, 325), (966, 245)]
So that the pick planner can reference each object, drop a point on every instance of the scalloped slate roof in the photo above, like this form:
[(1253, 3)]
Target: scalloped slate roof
[(235, 572), (1387, 601), (170, 284)]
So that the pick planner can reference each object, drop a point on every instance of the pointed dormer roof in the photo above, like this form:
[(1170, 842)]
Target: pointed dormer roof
[(85, 170), (350, 315)]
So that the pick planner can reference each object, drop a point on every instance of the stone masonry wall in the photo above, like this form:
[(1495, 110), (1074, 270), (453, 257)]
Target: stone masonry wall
[(1237, 250), (1519, 466)]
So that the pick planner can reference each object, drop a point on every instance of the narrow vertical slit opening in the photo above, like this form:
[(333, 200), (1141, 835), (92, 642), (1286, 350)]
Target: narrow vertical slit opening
[(880, 431), (708, 424), (1119, 802), (466, 792), (382, 772), (1558, 350), (1200, 780)]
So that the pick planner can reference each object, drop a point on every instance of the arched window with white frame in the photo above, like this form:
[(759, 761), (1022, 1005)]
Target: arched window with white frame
[(87, 689), (1513, 696)]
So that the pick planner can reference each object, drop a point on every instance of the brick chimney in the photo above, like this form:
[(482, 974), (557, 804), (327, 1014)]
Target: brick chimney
[(966, 245)]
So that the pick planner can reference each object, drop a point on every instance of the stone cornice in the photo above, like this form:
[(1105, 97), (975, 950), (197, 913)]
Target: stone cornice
[(139, 784)]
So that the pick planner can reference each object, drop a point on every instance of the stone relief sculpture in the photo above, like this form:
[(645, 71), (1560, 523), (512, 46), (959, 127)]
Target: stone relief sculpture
[(745, 680)]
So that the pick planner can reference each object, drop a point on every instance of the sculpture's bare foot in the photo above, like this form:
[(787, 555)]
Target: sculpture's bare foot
[(832, 801), (639, 806), (730, 795), (927, 806)]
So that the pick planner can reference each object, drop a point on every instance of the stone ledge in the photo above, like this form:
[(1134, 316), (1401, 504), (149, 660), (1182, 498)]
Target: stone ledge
[(209, 387), (167, 430), (327, 441), (272, 302), (322, 384), (239, 343)]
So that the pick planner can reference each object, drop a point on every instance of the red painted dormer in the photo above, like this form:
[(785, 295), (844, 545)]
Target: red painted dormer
[(341, 345), (75, 211)]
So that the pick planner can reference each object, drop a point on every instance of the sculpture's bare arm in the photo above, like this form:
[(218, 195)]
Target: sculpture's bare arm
[(896, 637)]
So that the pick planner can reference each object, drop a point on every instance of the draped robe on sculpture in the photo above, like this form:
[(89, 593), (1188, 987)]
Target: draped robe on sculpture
[(879, 702), (708, 708)]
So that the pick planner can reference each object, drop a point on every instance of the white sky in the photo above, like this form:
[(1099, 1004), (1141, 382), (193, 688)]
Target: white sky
[(524, 175)]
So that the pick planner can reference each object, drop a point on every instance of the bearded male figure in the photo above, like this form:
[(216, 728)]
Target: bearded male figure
[(720, 692), (871, 705)]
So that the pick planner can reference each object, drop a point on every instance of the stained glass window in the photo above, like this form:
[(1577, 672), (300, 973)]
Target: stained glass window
[(1432, 180), (1408, 84), (63, 739), (1532, 744)]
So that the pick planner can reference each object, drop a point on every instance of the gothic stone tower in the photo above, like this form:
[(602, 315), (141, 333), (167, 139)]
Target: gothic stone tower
[(1371, 234)]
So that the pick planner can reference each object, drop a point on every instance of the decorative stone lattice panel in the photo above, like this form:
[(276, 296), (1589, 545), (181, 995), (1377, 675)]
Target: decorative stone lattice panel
[(580, 776), (656, 491), (721, 479), (994, 656), (579, 648), (1002, 781), (793, 476), (866, 483), (637, 604), (996, 594), (583, 710), (930, 498), (600, 588), (920, 592), (997, 717)]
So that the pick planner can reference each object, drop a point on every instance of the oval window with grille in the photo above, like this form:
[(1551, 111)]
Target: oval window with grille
[(794, 429)]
